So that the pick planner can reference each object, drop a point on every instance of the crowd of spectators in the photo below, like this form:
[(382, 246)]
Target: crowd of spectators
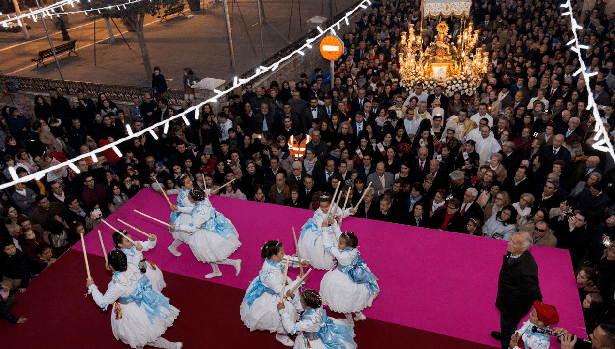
[(516, 156)]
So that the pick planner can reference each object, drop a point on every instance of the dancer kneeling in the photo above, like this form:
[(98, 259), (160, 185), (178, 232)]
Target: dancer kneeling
[(351, 287), (324, 222), (134, 253), (316, 330), (140, 315), (212, 237), (259, 307)]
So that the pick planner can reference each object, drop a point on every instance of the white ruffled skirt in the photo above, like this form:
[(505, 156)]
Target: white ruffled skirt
[(210, 247), (135, 329), (342, 295), (312, 248), (182, 235), (155, 277), (263, 314)]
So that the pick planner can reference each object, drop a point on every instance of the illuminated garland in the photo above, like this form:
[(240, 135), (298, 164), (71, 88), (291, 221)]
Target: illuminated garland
[(47, 11), (237, 82), (603, 143)]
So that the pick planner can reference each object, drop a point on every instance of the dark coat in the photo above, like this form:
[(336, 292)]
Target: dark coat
[(455, 224), (518, 286)]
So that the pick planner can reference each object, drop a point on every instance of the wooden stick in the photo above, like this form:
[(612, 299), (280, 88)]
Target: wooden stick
[(103, 247), (337, 204), (344, 209), (163, 192), (282, 296), (134, 228), (332, 199), (364, 192), (110, 226), (300, 281), (225, 184), (298, 254), (150, 217), (85, 256)]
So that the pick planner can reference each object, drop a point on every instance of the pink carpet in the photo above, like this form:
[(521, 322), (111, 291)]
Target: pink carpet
[(430, 280)]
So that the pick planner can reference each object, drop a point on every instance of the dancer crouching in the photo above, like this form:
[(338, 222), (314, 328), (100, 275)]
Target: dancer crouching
[(134, 253), (212, 237), (311, 243), (259, 307), (351, 287), (315, 329), (140, 315)]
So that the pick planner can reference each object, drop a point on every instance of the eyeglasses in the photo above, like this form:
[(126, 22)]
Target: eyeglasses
[(540, 230)]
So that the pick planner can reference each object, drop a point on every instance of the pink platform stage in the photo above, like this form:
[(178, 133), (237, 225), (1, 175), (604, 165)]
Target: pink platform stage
[(431, 280)]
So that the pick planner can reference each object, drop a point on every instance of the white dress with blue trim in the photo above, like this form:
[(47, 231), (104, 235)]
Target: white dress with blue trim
[(139, 315), (182, 216), (152, 271), (311, 243), (212, 237), (259, 308), (351, 287), (316, 330)]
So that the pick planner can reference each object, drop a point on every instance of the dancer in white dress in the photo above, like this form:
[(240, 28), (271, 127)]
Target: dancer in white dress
[(315, 329), (311, 243), (134, 253), (212, 237), (184, 205), (351, 287), (259, 307), (140, 315)]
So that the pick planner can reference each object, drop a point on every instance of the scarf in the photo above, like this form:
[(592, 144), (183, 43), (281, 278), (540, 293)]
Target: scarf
[(309, 165)]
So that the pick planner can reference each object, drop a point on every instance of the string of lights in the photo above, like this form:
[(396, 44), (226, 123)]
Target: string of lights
[(237, 82), (602, 143), (47, 11)]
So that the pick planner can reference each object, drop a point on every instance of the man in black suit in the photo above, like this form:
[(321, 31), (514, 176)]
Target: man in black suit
[(329, 108), (438, 95), (296, 176), (358, 124), (322, 177), (510, 159), (387, 213), (312, 113), (550, 196), (554, 92), (469, 207), (518, 184), (358, 103), (366, 167), (440, 175), (556, 152), (272, 171), (420, 166), (308, 190), (517, 286)]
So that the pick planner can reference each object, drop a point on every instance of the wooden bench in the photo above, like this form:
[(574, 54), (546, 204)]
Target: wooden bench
[(68, 46), (177, 9)]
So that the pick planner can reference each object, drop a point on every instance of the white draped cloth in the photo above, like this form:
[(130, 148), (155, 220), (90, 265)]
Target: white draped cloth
[(485, 147)]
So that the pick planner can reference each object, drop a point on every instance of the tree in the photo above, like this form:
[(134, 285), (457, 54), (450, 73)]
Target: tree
[(133, 15)]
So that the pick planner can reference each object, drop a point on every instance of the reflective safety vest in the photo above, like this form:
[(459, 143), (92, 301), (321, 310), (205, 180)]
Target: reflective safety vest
[(297, 150)]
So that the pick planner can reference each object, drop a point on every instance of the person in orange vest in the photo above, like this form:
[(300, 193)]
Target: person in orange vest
[(297, 143)]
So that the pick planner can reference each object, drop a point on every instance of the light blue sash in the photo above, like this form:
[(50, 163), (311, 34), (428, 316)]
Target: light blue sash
[(359, 273), (150, 299), (334, 335), (256, 290)]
